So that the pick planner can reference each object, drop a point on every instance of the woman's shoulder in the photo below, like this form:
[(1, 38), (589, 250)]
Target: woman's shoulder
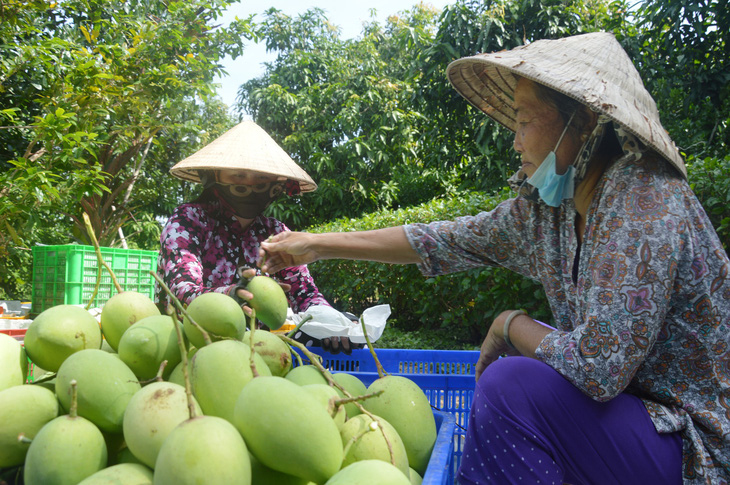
[(645, 186), (193, 213), (650, 168), (272, 225)]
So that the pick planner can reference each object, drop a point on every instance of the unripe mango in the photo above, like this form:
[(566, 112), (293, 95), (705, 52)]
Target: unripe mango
[(328, 397), (369, 472), (23, 410), (151, 415), (404, 405), (219, 371), (147, 343), (272, 349), (205, 449), (105, 387), (368, 442), (121, 474), (218, 314), (14, 362), (263, 475), (59, 332), (306, 374), (354, 386), (269, 301), (64, 452), (122, 311), (287, 429)]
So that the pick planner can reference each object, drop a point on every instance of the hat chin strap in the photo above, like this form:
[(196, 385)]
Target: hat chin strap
[(589, 148)]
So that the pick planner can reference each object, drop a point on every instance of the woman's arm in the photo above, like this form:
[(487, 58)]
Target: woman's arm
[(524, 333), (287, 249)]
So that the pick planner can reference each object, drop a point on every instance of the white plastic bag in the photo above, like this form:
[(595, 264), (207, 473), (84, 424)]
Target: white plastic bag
[(327, 322)]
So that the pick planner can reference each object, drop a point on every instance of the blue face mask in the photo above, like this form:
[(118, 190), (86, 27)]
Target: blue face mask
[(553, 188)]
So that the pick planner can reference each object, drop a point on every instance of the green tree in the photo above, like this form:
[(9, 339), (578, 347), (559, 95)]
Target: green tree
[(89, 91), (374, 120), (341, 108)]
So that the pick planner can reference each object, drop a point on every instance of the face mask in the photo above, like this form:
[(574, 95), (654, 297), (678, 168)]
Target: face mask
[(248, 201), (553, 188)]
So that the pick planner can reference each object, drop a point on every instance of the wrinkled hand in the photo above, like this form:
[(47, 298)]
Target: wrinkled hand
[(285, 250), (247, 296), (494, 345)]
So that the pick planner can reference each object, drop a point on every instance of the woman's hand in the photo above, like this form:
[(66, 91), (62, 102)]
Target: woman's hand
[(494, 344), (285, 250)]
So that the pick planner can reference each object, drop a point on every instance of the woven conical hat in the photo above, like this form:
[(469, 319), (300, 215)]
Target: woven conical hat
[(590, 68), (246, 146)]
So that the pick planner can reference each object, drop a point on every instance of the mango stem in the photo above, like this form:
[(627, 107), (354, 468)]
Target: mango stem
[(180, 308), (378, 365)]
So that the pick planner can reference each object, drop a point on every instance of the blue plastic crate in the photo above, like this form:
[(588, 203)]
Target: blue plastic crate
[(445, 376), (442, 459)]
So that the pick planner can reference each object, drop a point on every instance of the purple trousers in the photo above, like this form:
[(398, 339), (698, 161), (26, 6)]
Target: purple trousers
[(528, 424)]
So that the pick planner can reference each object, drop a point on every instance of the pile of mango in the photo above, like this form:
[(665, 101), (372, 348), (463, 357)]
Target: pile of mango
[(141, 397)]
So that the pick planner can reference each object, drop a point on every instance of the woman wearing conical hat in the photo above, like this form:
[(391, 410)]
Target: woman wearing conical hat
[(631, 384), (205, 242)]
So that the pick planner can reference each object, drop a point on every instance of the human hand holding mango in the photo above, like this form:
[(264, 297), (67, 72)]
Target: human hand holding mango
[(245, 296), (285, 250)]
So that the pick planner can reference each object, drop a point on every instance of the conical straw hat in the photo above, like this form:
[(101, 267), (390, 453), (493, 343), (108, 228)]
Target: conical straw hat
[(246, 146), (590, 68)]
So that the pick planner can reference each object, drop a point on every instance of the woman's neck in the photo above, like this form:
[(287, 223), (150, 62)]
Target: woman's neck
[(586, 190), (244, 222)]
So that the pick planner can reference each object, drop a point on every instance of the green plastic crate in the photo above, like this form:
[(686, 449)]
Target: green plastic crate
[(67, 274)]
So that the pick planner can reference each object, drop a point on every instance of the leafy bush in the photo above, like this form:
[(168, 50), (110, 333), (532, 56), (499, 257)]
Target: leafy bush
[(458, 308), (709, 179)]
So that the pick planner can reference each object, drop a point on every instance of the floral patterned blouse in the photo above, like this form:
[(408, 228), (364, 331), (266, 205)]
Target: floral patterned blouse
[(649, 310), (202, 245)]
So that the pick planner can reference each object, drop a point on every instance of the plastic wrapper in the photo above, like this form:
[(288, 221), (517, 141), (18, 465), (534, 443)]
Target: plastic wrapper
[(326, 322)]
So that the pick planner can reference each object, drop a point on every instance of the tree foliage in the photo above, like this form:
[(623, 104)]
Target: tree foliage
[(100, 96), (90, 90), (374, 120)]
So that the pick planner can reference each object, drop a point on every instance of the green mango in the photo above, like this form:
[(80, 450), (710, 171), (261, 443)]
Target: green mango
[(205, 449), (147, 343), (122, 311), (121, 474), (219, 371), (416, 479), (14, 362), (23, 410), (126, 456), (263, 475), (64, 452), (287, 429), (105, 386), (354, 386), (58, 332), (177, 376), (275, 351), (306, 374), (269, 301), (151, 415), (218, 314), (366, 443), (369, 472), (404, 405), (327, 396)]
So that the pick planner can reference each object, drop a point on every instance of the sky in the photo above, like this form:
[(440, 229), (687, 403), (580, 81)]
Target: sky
[(347, 14)]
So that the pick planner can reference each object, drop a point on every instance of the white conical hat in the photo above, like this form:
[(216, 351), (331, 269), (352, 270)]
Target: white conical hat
[(246, 146), (590, 68)]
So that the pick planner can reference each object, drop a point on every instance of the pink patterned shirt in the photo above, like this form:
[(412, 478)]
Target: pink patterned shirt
[(202, 244)]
